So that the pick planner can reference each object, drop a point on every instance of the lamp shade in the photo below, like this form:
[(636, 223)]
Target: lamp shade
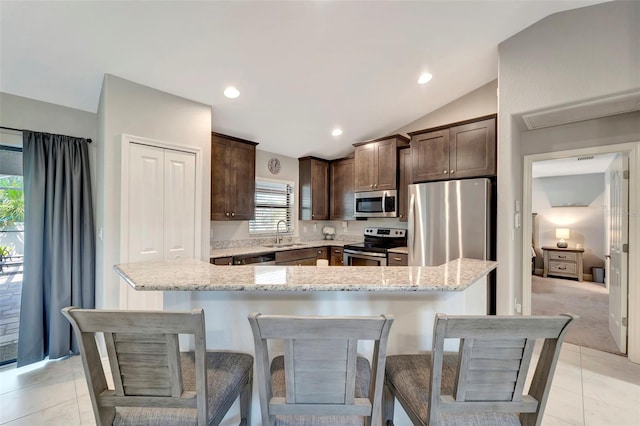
[(562, 233)]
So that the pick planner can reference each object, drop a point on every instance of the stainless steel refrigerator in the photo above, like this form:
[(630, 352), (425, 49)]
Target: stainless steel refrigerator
[(449, 220)]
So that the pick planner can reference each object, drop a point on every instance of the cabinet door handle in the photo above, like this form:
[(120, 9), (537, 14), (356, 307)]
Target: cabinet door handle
[(452, 171), (313, 215), (562, 257), (227, 214), (336, 251), (397, 258), (233, 213), (371, 186), (445, 172), (562, 267)]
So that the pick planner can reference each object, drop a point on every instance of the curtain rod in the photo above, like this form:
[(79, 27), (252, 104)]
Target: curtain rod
[(23, 130)]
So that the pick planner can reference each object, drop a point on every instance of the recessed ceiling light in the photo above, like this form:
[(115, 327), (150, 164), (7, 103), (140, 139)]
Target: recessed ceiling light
[(231, 92), (425, 78), (336, 132)]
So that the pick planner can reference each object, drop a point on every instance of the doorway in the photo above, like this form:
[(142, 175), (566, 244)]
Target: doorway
[(11, 250), (570, 220), (597, 259)]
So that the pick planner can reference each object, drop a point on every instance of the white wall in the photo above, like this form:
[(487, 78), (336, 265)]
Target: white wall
[(586, 224), (480, 102), (129, 108), (565, 58)]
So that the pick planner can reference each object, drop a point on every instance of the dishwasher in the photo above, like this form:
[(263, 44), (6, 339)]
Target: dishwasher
[(251, 259)]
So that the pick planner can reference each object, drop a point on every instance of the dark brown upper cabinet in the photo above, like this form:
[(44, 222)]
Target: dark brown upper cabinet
[(459, 150), (233, 178), (341, 189), (403, 183), (313, 188), (376, 163)]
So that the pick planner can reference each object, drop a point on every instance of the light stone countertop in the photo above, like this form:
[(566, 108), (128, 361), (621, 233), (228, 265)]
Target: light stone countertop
[(197, 275), (238, 251), (400, 250)]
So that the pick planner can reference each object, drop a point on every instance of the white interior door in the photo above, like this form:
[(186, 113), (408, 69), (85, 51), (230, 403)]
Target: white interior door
[(179, 204), (146, 203), (617, 265), (161, 212)]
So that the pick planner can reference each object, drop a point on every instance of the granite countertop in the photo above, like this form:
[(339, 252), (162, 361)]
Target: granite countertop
[(401, 250), (197, 275), (237, 251)]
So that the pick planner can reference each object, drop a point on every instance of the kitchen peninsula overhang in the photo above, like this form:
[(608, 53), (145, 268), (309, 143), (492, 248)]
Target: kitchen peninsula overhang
[(197, 275)]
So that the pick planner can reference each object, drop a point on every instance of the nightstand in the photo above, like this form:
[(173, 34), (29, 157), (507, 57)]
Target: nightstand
[(563, 262)]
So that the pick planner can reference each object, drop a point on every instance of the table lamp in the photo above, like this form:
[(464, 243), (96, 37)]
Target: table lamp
[(562, 233)]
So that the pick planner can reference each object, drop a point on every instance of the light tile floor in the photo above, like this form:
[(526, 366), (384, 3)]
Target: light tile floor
[(590, 388)]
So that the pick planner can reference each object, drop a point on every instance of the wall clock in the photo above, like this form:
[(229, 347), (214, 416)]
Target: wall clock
[(274, 166)]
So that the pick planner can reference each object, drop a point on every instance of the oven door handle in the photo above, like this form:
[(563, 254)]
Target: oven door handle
[(363, 254)]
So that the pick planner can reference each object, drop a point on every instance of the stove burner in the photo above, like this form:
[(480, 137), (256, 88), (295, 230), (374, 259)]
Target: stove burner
[(379, 240)]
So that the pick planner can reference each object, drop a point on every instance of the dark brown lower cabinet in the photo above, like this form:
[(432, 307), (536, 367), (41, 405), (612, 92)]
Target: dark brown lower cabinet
[(397, 259), (337, 256), (300, 257)]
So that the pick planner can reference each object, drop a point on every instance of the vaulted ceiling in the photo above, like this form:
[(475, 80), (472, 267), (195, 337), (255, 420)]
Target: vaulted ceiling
[(302, 68)]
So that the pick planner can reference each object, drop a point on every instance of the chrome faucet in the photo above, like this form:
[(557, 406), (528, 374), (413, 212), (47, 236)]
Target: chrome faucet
[(278, 237)]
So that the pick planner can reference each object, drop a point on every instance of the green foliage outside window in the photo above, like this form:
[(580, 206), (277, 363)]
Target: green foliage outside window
[(11, 201)]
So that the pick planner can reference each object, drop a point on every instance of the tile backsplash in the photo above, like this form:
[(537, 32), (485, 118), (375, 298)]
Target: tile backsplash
[(235, 234)]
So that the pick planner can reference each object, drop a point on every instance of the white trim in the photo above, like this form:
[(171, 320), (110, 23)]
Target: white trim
[(126, 140), (633, 346)]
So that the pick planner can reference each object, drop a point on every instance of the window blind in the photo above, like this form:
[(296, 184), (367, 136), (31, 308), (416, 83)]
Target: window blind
[(274, 202)]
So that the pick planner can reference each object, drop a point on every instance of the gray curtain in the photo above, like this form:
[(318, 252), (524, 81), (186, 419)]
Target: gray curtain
[(59, 247)]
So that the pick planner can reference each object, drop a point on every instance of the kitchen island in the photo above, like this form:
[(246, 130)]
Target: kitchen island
[(413, 295)]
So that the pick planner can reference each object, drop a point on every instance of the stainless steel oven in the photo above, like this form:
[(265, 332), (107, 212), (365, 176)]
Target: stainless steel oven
[(373, 251), (362, 258)]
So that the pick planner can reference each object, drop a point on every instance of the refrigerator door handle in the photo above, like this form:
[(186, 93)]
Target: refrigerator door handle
[(412, 233)]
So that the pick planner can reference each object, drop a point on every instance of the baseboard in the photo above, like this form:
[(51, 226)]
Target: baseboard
[(585, 277)]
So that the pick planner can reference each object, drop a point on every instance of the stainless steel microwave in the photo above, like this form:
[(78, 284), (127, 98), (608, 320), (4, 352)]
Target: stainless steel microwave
[(376, 204)]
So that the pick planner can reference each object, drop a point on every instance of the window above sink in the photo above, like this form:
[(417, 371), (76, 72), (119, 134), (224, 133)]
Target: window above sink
[(274, 201)]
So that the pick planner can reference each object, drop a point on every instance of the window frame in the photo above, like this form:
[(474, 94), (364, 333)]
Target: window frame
[(289, 209)]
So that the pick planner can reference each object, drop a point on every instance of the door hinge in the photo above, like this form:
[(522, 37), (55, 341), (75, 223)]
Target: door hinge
[(625, 248), (625, 174), (624, 321)]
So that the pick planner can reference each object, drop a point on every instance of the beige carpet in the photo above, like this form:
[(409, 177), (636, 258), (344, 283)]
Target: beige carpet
[(590, 301)]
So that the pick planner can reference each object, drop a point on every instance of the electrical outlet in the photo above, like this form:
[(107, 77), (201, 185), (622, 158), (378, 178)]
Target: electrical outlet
[(518, 308)]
